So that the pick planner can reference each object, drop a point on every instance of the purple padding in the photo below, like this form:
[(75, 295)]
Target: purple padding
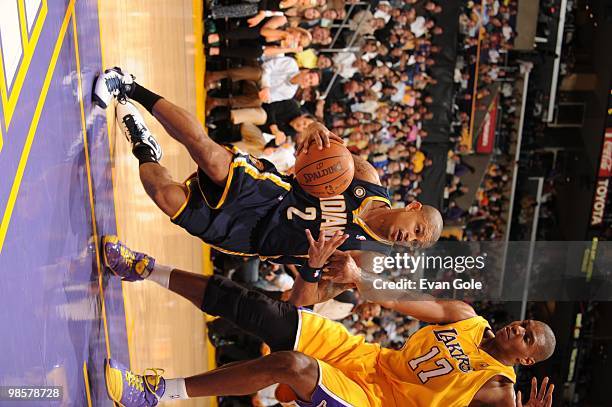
[(50, 303)]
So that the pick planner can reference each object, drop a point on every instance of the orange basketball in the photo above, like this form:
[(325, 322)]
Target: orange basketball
[(284, 393), (327, 172)]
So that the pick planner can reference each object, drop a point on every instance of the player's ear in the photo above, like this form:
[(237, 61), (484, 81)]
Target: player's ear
[(414, 206), (528, 361)]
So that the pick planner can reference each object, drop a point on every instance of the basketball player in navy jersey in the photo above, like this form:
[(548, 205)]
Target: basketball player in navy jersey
[(244, 206)]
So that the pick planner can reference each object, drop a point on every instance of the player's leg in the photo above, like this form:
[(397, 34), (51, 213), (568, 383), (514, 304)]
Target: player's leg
[(212, 158), (167, 194), (275, 322), (294, 369)]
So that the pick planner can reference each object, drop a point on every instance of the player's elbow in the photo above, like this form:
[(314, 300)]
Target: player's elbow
[(456, 311)]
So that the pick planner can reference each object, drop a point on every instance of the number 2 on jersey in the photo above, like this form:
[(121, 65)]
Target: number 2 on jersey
[(444, 365), (310, 214)]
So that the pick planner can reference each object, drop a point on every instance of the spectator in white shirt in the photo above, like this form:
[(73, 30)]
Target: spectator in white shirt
[(281, 77), (420, 26), (278, 79)]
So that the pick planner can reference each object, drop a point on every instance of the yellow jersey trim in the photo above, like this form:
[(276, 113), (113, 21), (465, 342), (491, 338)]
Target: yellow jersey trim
[(248, 169), (231, 252), (184, 205)]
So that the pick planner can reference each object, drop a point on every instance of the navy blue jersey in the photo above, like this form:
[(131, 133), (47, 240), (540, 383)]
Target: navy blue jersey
[(261, 212), (283, 230)]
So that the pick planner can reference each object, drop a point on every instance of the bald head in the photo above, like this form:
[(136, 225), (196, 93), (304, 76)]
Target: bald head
[(434, 221), (546, 341)]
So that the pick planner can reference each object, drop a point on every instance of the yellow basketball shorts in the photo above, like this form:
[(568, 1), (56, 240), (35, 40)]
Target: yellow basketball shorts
[(347, 364)]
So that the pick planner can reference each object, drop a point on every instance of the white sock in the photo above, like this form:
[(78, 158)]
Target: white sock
[(175, 390), (161, 275)]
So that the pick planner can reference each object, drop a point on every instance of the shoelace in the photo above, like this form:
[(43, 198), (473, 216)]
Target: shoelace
[(157, 373), (132, 127), (134, 380), (127, 255), (115, 84)]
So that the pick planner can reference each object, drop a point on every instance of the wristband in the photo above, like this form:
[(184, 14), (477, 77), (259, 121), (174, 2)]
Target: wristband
[(310, 274)]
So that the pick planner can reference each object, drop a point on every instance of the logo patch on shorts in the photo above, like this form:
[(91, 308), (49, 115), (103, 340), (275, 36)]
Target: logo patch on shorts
[(359, 192)]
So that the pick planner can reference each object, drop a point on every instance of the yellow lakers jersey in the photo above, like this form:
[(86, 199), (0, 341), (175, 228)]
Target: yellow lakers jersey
[(441, 365)]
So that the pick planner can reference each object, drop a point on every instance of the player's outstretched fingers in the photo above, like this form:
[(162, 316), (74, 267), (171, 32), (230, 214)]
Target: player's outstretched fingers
[(336, 241), (542, 392), (549, 396), (541, 398), (320, 250), (311, 241)]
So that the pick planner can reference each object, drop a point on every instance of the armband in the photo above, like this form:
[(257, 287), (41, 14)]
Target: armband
[(310, 274)]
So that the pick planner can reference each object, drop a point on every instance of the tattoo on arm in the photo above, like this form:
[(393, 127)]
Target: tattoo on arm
[(365, 171)]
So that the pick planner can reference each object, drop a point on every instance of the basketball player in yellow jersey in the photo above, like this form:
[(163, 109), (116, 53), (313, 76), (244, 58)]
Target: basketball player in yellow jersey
[(456, 361)]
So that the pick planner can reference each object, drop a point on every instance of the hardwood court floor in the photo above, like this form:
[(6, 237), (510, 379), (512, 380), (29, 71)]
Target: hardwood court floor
[(154, 40)]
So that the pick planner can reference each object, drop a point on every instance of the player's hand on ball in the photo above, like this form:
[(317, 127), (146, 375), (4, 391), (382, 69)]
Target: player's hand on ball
[(320, 250), (319, 134), (542, 398), (342, 269)]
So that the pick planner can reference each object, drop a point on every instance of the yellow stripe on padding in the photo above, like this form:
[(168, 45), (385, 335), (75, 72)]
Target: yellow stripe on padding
[(87, 387)]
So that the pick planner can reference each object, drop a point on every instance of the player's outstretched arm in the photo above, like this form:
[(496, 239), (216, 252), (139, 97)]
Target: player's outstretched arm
[(499, 392), (303, 294), (424, 307)]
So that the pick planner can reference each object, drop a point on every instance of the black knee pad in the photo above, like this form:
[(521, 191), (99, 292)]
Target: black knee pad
[(275, 322)]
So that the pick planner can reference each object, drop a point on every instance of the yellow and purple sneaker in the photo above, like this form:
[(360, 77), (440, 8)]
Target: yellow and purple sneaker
[(132, 390), (124, 262)]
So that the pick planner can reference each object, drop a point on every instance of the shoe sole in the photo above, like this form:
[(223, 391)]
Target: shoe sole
[(108, 392)]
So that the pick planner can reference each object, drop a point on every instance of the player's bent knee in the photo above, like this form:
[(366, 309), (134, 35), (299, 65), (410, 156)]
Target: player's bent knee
[(170, 198)]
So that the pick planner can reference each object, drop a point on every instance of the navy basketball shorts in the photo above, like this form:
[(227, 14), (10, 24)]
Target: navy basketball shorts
[(228, 217)]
